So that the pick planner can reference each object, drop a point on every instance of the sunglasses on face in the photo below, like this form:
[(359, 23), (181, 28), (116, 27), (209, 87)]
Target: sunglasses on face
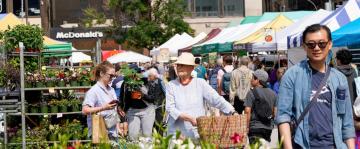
[(111, 75), (312, 45)]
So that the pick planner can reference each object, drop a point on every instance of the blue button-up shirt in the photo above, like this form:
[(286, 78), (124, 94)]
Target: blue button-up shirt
[(294, 96)]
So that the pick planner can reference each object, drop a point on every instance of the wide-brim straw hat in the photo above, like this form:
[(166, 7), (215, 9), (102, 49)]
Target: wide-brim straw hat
[(186, 59)]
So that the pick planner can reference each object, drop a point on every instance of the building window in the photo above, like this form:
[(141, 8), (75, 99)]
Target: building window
[(2, 6), (233, 7), (206, 8), (33, 7), (215, 8)]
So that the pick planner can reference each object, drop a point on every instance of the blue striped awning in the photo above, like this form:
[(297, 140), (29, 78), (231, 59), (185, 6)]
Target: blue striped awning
[(340, 17)]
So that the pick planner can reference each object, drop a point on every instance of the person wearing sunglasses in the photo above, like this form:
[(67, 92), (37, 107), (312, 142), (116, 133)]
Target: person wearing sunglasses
[(101, 98), (328, 120)]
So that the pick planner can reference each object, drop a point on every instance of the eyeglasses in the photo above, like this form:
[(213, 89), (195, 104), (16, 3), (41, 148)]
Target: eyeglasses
[(321, 44), (111, 75)]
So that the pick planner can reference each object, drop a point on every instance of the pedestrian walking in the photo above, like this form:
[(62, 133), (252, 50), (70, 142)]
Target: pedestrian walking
[(224, 77), (185, 99), (328, 120), (240, 84), (260, 108)]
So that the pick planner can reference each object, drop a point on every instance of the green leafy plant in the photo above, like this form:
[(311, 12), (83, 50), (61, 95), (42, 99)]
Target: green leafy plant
[(131, 78), (64, 102), (30, 35)]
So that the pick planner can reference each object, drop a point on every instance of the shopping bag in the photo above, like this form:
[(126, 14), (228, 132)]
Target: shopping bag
[(99, 131), (223, 131)]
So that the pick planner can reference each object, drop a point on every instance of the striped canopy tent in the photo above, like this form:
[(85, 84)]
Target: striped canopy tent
[(55, 45), (348, 35), (249, 25), (264, 35), (197, 49), (223, 42), (250, 19), (340, 17), (281, 36)]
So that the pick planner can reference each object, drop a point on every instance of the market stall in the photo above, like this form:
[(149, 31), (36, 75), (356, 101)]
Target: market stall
[(340, 17), (129, 57)]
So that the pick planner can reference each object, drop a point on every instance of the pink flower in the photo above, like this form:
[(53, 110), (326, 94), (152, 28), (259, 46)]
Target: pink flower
[(236, 138)]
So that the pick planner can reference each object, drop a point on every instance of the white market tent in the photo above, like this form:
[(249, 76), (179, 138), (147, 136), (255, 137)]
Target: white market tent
[(173, 44), (129, 57), (195, 40), (78, 57), (299, 26)]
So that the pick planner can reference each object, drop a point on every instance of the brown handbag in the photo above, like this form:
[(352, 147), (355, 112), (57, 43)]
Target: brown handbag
[(223, 131), (99, 131)]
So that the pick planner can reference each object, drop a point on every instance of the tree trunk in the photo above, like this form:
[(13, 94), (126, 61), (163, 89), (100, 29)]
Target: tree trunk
[(45, 13)]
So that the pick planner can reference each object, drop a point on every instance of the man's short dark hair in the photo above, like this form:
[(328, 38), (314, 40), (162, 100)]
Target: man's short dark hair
[(315, 28), (197, 60), (344, 56), (228, 60)]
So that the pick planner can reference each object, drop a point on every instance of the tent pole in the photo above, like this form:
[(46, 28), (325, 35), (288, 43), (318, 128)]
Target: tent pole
[(22, 94)]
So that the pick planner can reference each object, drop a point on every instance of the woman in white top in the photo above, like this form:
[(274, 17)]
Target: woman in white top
[(185, 99)]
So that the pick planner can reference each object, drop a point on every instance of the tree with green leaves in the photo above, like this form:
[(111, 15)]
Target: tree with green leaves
[(143, 23)]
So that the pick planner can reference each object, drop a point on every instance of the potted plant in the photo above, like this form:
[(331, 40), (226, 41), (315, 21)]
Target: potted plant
[(84, 77), (76, 129), (54, 132), (74, 77), (44, 107), (54, 108), (133, 82), (63, 105), (39, 79), (60, 78), (30, 35), (50, 78), (29, 80), (34, 108), (75, 105)]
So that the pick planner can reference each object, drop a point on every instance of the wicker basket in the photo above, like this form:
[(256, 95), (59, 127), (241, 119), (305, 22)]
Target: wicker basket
[(224, 131)]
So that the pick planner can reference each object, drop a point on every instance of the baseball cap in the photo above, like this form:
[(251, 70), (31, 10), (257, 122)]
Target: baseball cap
[(261, 75)]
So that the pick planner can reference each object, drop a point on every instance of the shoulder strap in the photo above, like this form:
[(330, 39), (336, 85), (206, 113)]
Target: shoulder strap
[(314, 99), (223, 69)]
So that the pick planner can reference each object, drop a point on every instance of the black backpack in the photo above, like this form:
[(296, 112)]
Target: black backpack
[(262, 108)]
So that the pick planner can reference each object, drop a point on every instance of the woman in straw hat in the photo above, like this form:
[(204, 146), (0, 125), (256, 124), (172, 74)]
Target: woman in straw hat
[(185, 99)]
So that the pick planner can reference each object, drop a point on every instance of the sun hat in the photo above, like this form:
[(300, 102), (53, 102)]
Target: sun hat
[(186, 59)]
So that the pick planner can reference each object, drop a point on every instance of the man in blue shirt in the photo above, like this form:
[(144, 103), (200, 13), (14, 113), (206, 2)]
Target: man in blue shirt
[(329, 122), (200, 69)]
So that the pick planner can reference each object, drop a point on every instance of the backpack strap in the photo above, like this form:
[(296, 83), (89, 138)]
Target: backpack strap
[(256, 95)]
